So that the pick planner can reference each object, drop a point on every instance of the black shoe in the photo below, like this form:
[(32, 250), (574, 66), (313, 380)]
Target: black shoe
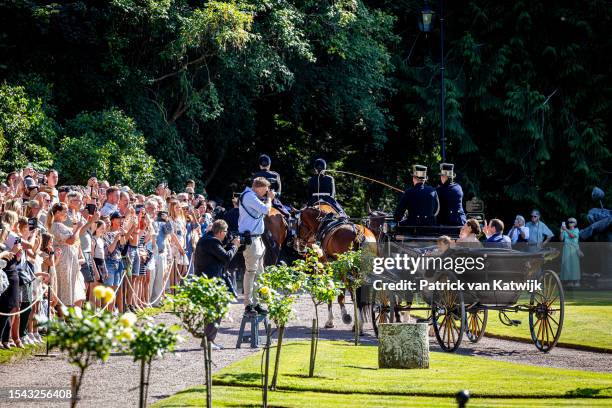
[(249, 309), (261, 310)]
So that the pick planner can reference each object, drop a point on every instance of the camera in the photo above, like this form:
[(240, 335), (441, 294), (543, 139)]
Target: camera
[(91, 208), (138, 208), (245, 238), (32, 223), (17, 241)]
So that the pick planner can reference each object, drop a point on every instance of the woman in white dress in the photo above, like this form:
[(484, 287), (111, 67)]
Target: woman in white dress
[(70, 282)]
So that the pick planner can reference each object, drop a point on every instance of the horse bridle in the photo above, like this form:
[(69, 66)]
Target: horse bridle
[(300, 242)]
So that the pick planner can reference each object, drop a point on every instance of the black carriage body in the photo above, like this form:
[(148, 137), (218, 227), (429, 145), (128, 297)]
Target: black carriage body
[(501, 266)]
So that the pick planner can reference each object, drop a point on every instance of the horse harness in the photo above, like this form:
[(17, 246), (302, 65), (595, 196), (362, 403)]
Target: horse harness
[(331, 223)]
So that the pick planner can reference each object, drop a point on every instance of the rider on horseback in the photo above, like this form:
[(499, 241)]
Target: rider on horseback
[(275, 182), (322, 188)]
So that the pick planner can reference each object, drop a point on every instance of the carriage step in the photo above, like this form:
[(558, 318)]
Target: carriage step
[(515, 322)]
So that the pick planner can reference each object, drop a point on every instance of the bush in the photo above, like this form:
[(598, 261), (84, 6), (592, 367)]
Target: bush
[(25, 130), (107, 144)]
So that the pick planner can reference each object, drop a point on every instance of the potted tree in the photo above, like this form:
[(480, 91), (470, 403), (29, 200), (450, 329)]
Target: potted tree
[(322, 288), (279, 287), (87, 336), (352, 268), (150, 340), (199, 302)]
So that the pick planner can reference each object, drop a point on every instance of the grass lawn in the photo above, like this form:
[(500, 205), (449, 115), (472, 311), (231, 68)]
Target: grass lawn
[(348, 376), (587, 321), (224, 396), (344, 368), (16, 354)]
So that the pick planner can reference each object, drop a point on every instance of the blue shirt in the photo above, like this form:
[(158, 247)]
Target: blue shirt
[(538, 233), (251, 213)]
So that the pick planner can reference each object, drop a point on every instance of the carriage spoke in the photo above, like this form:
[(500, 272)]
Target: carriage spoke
[(540, 294), (554, 320), (548, 329), (453, 333), (549, 286), (539, 330)]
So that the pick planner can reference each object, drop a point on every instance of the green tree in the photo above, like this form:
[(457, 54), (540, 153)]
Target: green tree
[(199, 302), (26, 132), (108, 144)]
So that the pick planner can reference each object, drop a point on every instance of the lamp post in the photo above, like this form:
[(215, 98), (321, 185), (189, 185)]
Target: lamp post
[(425, 25)]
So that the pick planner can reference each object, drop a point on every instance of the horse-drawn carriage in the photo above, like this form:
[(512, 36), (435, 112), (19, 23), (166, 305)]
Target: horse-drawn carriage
[(454, 311)]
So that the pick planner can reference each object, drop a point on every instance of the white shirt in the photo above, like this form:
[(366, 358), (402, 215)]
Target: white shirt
[(108, 209), (515, 233)]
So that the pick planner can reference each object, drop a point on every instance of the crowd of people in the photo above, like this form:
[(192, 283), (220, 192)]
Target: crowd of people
[(58, 243)]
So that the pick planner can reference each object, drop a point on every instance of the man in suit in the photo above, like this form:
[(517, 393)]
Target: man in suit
[(420, 200)]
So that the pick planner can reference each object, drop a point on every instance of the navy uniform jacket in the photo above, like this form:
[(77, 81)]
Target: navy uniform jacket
[(273, 177), (451, 204), (321, 184), (422, 204)]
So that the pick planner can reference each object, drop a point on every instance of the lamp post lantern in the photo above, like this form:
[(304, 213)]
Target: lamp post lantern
[(427, 15), (425, 25)]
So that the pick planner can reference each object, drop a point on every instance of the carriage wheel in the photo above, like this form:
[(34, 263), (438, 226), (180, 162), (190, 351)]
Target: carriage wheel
[(546, 311), (476, 324), (448, 314), (380, 314)]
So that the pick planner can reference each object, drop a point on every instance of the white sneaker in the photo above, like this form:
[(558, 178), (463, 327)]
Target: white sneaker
[(26, 340), (39, 337), (33, 338)]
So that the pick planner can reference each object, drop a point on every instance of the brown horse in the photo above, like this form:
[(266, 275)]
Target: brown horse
[(277, 231), (337, 240)]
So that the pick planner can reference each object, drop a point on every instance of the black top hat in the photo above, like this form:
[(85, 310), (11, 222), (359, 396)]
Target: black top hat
[(446, 169), (419, 171)]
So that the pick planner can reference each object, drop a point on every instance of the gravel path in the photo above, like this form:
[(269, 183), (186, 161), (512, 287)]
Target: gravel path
[(115, 383)]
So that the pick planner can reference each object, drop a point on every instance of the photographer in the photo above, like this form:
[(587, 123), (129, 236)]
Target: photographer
[(211, 259), (254, 204)]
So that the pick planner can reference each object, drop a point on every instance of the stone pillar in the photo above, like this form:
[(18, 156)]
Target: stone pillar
[(403, 345)]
